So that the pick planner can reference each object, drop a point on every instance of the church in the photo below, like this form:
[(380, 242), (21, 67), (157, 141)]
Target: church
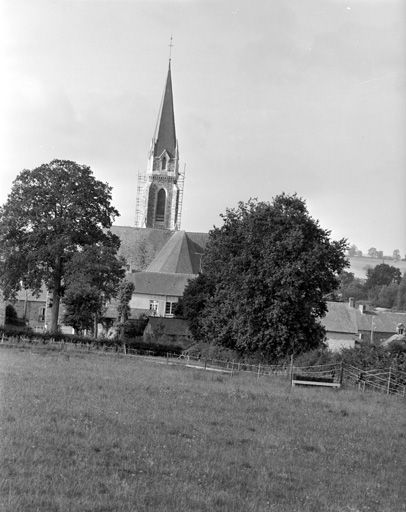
[(160, 257)]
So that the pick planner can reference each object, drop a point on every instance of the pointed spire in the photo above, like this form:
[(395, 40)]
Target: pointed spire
[(165, 135)]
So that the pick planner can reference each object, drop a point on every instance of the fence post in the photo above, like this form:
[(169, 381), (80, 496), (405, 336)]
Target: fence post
[(259, 370), (232, 368), (291, 368), (388, 389), (341, 373), (205, 364), (125, 349)]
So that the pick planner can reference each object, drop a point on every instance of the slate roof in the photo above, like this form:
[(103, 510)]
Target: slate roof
[(153, 283), (341, 318), (173, 326), (395, 337), (166, 138), (177, 256), (141, 246)]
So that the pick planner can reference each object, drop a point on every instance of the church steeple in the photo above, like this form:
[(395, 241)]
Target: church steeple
[(160, 191), (165, 133)]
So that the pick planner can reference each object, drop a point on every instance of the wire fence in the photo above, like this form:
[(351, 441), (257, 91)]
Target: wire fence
[(390, 381)]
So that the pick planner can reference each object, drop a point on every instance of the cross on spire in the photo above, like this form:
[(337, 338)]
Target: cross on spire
[(170, 50)]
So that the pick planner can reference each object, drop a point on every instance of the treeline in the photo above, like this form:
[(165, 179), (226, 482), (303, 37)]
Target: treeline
[(383, 287), (373, 252)]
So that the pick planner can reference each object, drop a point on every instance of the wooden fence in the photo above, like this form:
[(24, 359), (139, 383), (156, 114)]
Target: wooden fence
[(388, 380)]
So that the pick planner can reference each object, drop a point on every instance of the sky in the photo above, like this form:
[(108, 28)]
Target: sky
[(291, 96)]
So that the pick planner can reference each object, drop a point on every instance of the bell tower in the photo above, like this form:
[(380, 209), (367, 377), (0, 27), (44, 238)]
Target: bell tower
[(160, 190)]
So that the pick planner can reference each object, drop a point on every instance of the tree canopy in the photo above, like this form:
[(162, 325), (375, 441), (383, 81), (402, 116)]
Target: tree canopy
[(52, 213), (265, 275), (382, 275), (92, 278)]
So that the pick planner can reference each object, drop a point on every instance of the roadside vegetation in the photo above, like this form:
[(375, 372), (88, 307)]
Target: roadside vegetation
[(88, 433)]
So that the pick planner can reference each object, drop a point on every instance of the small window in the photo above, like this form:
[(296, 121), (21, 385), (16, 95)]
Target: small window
[(163, 167), (41, 314), (153, 307)]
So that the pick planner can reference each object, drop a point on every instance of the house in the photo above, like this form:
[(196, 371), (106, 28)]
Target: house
[(160, 257), (346, 324), (399, 336)]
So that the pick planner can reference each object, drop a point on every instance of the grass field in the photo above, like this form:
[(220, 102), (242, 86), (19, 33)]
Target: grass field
[(92, 433), (358, 265)]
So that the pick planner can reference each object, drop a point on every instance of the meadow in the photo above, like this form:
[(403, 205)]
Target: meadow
[(91, 433), (359, 265)]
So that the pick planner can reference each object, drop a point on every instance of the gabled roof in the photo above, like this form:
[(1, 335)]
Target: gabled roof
[(32, 297), (342, 318), (165, 135), (140, 246), (395, 337), (152, 283), (178, 256)]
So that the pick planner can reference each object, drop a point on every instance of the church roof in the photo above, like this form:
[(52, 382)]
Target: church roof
[(179, 255), (165, 135), (153, 283), (142, 247)]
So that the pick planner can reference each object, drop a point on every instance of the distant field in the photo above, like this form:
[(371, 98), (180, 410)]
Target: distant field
[(98, 434), (358, 265)]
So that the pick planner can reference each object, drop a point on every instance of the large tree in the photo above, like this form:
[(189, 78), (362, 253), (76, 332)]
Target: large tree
[(92, 278), (382, 275), (52, 212), (265, 275)]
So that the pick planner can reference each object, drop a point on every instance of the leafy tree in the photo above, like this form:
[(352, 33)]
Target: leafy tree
[(92, 278), (350, 286), (382, 275), (51, 213), (125, 294), (401, 296), (194, 302), (373, 252), (384, 296), (354, 251), (264, 277), (396, 255)]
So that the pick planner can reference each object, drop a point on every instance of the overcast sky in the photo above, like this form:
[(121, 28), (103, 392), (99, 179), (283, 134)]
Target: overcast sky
[(271, 96)]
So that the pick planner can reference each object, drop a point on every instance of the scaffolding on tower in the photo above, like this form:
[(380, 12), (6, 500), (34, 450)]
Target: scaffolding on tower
[(140, 212), (179, 199)]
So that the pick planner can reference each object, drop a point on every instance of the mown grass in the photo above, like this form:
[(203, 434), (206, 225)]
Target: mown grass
[(90, 433)]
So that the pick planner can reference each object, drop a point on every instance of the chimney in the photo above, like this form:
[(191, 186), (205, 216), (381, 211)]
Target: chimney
[(362, 308), (351, 302)]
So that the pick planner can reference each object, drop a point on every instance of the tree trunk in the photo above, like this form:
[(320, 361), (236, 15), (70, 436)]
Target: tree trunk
[(54, 312), (56, 297), (96, 322)]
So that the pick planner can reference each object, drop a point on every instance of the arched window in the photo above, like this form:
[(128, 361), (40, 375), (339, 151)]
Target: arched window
[(163, 163), (160, 206)]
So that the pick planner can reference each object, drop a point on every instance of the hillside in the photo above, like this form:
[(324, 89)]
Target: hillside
[(358, 265)]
